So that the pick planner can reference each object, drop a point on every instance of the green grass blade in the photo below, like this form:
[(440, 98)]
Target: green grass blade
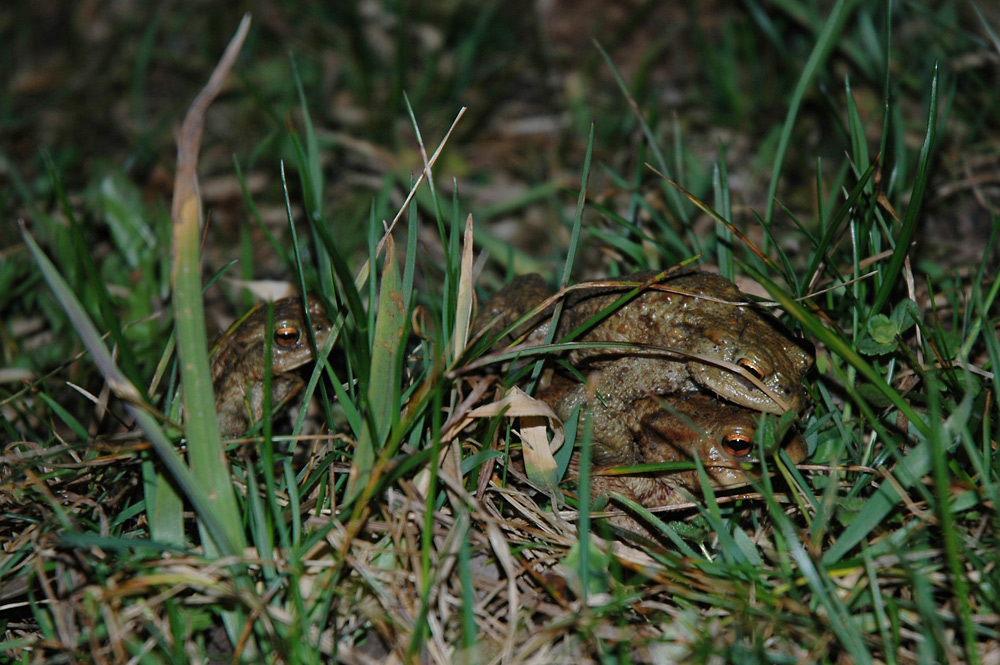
[(909, 470), (383, 389), (827, 594), (676, 203), (913, 209), (581, 201), (859, 143), (839, 345), (205, 453), (942, 432), (91, 279), (833, 227), (824, 45), (75, 425), (354, 335), (723, 204), (92, 340)]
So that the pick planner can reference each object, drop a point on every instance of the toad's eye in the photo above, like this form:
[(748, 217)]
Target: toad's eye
[(754, 367), (738, 444), (287, 336)]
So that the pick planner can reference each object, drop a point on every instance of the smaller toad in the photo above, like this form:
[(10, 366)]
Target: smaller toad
[(238, 360), (681, 428)]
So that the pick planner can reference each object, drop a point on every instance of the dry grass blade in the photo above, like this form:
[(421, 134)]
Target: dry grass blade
[(537, 419), (463, 319), (366, 267)]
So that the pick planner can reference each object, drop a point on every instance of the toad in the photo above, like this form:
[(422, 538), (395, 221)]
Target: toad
[(682, 333), (679, 428), (238, 360)]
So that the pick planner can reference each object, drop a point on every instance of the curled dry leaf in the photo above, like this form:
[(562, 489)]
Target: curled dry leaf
[(536, 416), (264, 289)]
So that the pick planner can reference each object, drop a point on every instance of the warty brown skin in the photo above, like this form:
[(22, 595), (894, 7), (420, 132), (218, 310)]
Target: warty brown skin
[(238, 361), (680, 428), (684, 335)]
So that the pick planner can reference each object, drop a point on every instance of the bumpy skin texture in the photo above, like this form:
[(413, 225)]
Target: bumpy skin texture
[(238, 361), (678, 428), (696, 330), (686, 426), (518, 297)]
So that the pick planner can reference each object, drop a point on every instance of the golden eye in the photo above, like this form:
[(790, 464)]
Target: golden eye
[(749, 365), (286, 336), (738, 444)]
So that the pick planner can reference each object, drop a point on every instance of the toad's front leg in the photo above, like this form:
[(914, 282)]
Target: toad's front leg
[(611, 392)]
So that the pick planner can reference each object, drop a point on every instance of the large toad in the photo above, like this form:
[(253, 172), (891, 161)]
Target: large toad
[(679, 428), (685, 332), (238, 360)]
